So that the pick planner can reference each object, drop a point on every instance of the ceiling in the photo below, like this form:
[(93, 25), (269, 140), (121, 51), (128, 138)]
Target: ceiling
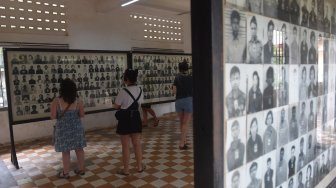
[(178, 6)]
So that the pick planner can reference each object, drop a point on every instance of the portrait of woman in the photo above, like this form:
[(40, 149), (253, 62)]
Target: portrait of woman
[(255, 95), (254, 145)]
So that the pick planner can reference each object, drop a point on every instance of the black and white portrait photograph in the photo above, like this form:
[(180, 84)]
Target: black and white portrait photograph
[(326, 19), (255, 131), (268, 45), (270, 136), (255, 86), (312, 85), (293, 122), (235, 35), (310, 146), (238, 3), (294, 35), (333, 20), (255, 6), (302, 157), (304, 13), (283, 10), (235, 99), (312, 53), (254, 39), (283, 91), (300, 183), (312, 15), (303, 88), (316, 170), (270, 8), (292, 158), (294, 83), (285, 41), (255, 173), (269, 165), (281, 165), (308, 180), (295, 11), (270, 92), (303, 121), (311, 116), (320, 14), (304, 46), (283, 128), (236, 178)]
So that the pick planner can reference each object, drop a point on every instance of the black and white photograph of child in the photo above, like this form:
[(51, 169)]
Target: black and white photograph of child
[(255, 173), (294, 83), (283, 126), (294, 55), (293, 122), (236, 178), (254, 36), (304, 46), (303, 89), (254, 6), (236, 141), (268, 165), (236, 91), (255, 131), (255, 86), (270, 134), (283, 91), (235, 35), (269, 93)]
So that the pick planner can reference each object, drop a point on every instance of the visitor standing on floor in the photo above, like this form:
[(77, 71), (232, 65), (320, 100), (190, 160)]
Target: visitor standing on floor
[(182, 88), (146, 108), (69, 131), (130, 127)]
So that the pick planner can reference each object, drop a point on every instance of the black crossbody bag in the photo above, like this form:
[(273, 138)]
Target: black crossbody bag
[(123, 114)]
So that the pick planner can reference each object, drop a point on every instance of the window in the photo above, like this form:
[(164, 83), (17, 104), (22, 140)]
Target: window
[(36, 17)]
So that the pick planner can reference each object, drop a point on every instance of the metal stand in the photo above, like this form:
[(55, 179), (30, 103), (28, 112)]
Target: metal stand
[(13, 150)]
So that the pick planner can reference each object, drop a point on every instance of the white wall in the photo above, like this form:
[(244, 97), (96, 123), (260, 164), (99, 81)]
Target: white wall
[(89, 29)]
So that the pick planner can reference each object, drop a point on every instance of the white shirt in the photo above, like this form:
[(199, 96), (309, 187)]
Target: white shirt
[(125, 100)]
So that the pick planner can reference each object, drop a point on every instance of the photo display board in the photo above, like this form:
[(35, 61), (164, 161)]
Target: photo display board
[(279, 61), (34, 76), (157, 73)]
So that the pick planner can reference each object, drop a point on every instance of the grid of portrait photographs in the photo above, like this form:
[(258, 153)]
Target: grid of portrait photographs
[(157, 73), (35, 76), (279, 76)]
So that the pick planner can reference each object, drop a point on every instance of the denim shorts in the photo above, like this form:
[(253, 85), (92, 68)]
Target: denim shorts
[(184, 105)]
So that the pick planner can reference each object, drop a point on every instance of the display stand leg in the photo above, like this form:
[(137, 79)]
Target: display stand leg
[(13, 150)]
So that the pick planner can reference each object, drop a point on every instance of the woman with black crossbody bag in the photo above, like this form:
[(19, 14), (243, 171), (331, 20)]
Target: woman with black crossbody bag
[(129, 125)]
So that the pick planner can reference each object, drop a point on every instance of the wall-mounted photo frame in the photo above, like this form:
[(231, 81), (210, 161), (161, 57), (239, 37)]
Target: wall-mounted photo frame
[(34, 76), (156, 74)]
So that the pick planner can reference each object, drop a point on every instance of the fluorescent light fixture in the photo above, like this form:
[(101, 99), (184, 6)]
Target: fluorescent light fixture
[(130, 2)]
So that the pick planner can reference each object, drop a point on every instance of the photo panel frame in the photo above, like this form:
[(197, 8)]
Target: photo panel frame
[(235, 143), (157, 72), (36, 76), (235, 36)]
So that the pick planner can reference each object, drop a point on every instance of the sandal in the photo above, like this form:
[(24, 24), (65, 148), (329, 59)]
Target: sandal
[(63, 175), (143, 168), (156, 123), (121, 172), (79, 172)]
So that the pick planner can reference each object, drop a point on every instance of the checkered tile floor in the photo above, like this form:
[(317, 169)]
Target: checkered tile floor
[(167, 166)]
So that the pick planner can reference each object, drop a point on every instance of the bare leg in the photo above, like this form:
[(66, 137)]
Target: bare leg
[(80, 159), (181, 117), (66, 161), (151, 112), (184, 130), (145, 116), (136, 141), (125, 152)]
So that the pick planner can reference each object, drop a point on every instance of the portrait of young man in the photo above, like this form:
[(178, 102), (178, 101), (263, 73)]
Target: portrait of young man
[(236, 99)]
